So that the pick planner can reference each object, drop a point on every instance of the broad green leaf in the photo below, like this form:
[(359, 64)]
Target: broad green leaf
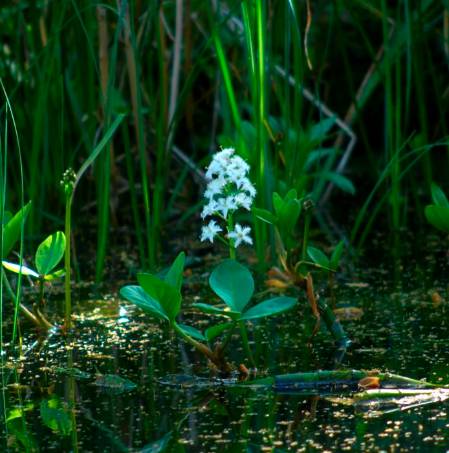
[(438, 216), (318, 257), (56, 417), (192, 332), (164, 293), (218, 329), (54, 275), (50, 252), (289, 214), (19, 269), (11, 231), (212, 310), (342, 182), (269, 307), (233, 283), (265, 215), (336, 255), (316, 155), (139, 297), (174, 274), (438, 196)]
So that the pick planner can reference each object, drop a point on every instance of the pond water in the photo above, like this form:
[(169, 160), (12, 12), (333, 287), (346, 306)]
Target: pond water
[(132, 388)]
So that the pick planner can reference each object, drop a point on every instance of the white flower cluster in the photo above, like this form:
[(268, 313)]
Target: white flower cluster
[(228, 190)]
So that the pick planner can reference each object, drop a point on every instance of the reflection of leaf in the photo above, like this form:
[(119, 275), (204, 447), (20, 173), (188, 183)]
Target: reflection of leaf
[(159, 445), (18, 412), (73, 372), (114, 383), (55, 416)]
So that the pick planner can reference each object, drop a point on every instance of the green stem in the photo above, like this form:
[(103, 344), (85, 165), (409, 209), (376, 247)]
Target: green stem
[(230, 222), (228, 336), (68, 295), (244, 334), (306, 233)]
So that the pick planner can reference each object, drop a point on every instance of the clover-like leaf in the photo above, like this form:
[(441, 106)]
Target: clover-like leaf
[(233, 283), (174, 274), (270, 307), (164, 293), (192, 332), (50, 252), (139, 297), (438, 216), (318, 257)]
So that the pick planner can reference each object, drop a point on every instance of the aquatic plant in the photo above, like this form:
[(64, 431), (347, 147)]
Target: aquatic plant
[(228, 190), (438, 213), (48, 255)]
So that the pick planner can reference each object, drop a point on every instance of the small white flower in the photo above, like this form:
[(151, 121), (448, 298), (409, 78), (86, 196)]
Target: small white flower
[(226, 204), (248, 187), (209, 209), (209, 231), (240, 234), (215, 187), (243, 201)]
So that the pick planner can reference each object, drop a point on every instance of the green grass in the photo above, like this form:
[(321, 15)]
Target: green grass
[(193, 76)]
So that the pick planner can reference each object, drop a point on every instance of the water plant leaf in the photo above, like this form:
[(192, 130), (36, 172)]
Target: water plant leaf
[(318, 257), (270, 307), (164, 293), (192, 332), (317, 133), (11, 230), (139, 297), (278, 202), (438, 216), (55, 416), (50, 252), (114, 383), (174, 275), (218, 329), (54, 275), (212, 310), (336, 255), (20, 269), (438, 196), (233, 283), (265, 215)]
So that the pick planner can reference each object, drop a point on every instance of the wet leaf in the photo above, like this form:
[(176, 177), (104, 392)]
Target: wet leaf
[(233, 283), (270, 307), (139, 297), (174, 275), (50, 252), (192, 332), (167, 296)]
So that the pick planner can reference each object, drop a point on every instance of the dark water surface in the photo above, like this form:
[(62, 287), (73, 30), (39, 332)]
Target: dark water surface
[(126, 398)]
